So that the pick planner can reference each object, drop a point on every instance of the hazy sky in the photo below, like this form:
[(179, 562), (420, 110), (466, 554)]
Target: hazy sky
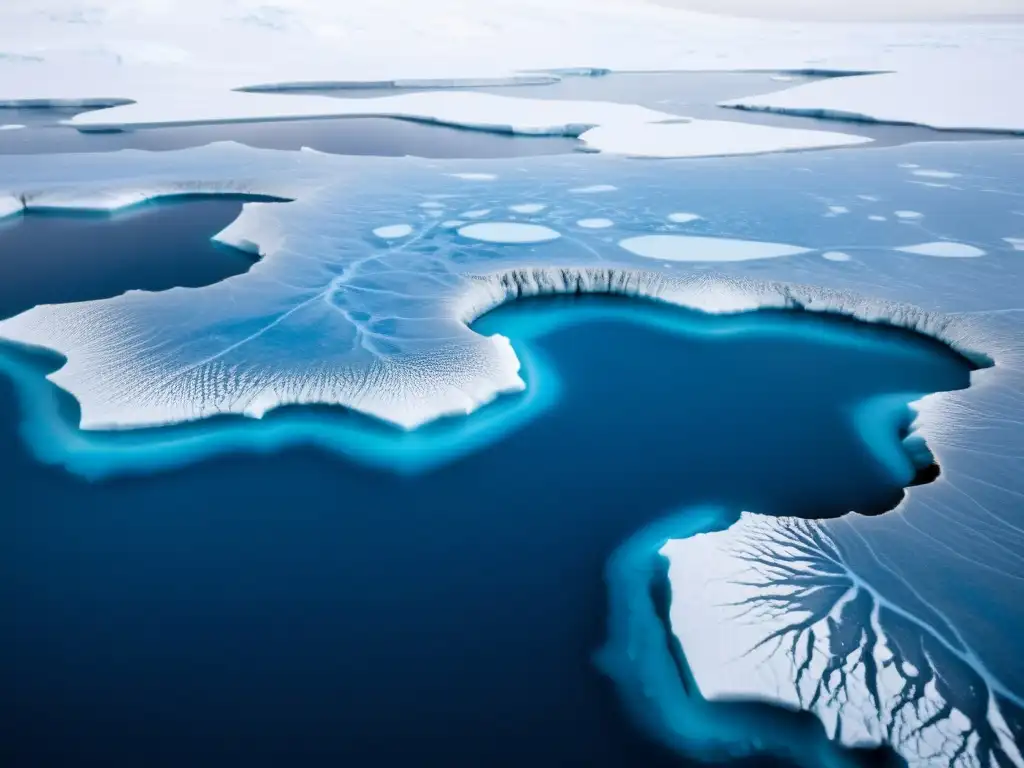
[(854, 9)]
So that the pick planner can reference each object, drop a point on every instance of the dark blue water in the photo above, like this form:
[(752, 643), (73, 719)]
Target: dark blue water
[(297, 609)]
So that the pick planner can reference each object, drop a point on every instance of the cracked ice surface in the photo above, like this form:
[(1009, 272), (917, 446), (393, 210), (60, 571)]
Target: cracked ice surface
[(896, 629)]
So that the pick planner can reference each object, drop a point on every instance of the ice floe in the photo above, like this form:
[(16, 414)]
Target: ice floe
[(509, 232), (686, 248), (1016, 242), (933, 174), (682, 218), (393, 231), (595, 223), (944, 249), (527, 207), (908, 215), (11, 127), (835, 256)]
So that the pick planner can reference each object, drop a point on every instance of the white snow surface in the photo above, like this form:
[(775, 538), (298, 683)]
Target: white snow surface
[(155, 54), (703, 138), (686, 248)]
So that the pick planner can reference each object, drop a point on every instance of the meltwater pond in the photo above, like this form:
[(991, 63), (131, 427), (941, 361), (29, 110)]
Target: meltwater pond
[(296, 608)]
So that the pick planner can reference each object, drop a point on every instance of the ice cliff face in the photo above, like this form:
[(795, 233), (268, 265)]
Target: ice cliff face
[(369, 276)]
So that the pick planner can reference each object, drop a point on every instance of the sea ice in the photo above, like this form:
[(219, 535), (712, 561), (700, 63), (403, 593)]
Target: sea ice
[(838, 209), (908, 214), (932, 174), (595, 223), (11, 127), (527, 207), (944, 249), (1016, 242), (475, 176), (685, 248), (593, 189), (835, 256), (393, 231), (509, 232), (682, 218)]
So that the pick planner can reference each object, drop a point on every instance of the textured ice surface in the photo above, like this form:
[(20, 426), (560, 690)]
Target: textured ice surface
[(944, 249), (899, 629), (686, 248)]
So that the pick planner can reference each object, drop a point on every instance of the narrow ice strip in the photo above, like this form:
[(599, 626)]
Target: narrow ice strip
[(593, 189), (951, 93), (464, 109), (708, 138), (944, 249), (595, 223), (509, 232), (908, 214), (11, 127), (682, 248), (474, 176), (835, 256), (932, 174), (527, 207)]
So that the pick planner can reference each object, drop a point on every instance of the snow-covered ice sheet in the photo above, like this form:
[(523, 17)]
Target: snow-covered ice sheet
[(155, 54), (945, 95), (863, 628)]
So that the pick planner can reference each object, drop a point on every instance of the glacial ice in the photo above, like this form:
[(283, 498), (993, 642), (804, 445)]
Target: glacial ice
[(687, 248), (944, 249), (871, 624)]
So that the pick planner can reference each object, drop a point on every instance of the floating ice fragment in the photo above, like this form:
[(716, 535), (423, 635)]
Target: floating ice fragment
[(9, 206), (932, 174), (909, 165), (876, 218), (593, 189), (595, 223), (683, 248), (431, 204), (527, 207), (510, 232), (908, 214), (474, 176), (11, 127), (1016, 242), (835, 256), (868, 198), (452, 223), (393, 231), (476, 214), (838, 209), (944, 249), (682, 218)]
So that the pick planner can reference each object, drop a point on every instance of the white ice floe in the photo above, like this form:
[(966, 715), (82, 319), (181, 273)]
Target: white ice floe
[(944, 249), (477, 213), (475, 176), (595, 223), (10, 206), (933, 174), (835, 256), (703, 138), (876, 217), (682, 218), (527, 207), (684, 248), (509, 232), (393, 231), (11, 127), (954, 92), (1016, 242), (593, 189), (431, 205), (907, 215), (838, 209)]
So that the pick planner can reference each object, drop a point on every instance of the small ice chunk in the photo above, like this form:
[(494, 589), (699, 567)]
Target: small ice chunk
[(393, 231), (868, 198), (527, 207), (909, 165), (908, 214), (476, 214), (838, 209), (684, 248), (1016, 242), (945, 249), (452, 223), (11, 127), (836, 256), (593, 189), (876, 218), (932, 174), (595, 223), (474, 176), (431, 204), (682, 218), (510, 232)]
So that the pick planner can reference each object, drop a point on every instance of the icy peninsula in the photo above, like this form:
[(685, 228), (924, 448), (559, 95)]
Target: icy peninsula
[(580, 382)]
